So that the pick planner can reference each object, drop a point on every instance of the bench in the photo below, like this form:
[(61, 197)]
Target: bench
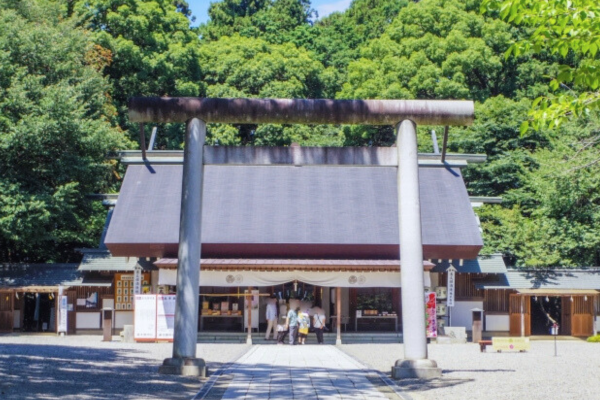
[(483, 344)]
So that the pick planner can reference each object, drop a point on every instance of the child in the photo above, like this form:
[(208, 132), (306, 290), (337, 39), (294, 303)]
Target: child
[(304, 324)]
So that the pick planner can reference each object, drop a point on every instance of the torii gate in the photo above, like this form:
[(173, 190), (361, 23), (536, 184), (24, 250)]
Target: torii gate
[(403, 114)]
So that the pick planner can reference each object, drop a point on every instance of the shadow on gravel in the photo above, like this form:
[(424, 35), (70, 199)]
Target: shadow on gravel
[(66, 372), (416, 385), (444, 382), (449, 371)]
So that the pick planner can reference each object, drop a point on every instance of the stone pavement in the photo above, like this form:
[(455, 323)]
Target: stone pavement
[(297, 372)]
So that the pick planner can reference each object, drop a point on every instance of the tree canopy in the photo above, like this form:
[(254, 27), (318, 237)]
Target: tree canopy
[(570, 30), (67, 68), (56, 128)]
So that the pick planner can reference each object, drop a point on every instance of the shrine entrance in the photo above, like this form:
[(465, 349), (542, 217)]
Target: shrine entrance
[(404, 115)]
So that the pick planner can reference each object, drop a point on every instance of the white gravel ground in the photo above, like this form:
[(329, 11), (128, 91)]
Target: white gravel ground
[(84, 367), (469, 374)]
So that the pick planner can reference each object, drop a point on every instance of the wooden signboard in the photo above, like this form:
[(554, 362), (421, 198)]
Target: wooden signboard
[(125, 290)]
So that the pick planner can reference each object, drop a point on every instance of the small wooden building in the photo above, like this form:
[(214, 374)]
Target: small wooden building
[(534, 299), (29, 295)]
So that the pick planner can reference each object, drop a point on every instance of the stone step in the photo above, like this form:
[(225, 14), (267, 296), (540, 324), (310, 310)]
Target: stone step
[(329, 338)]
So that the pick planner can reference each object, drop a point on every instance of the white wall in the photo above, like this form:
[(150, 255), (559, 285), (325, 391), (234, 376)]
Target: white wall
[(123, 318), (108, 303), (87, 320), (461, 315), (497, 322)]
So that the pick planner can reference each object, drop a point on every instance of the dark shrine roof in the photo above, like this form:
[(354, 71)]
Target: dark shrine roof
[(38, 275), (324, 212)]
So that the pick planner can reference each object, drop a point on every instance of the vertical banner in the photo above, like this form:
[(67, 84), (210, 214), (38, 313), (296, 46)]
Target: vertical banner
[(430, 315), (62, 314), (144, 325), (451, 285), (165, 316), (137, 279)]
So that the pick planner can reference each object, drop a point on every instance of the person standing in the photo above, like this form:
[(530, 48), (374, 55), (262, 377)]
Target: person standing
[(303, 326), (319, 320), (271, 317), (291, 323)]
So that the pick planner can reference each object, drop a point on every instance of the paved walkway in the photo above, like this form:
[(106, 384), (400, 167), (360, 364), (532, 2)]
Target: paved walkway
[(297, 372)]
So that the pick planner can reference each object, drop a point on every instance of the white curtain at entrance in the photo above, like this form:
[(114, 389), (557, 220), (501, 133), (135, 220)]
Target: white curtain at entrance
[(272, 278)]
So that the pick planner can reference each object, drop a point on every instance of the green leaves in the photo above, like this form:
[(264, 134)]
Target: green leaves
[(152, 49), (568, 29), (55, 132)]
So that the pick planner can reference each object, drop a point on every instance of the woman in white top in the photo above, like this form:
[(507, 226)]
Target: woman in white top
[(319, 320)]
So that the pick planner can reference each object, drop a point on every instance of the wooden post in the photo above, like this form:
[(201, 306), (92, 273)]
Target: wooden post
[(249, 300), (338, 312)]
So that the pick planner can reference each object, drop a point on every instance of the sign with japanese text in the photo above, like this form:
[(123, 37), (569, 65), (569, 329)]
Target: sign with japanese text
[(165, 316), (62, 314), (451, 286), (137, 279), (145, 317)]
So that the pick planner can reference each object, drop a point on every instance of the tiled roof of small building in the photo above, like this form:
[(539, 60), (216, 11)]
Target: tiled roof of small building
[(492, 264), (26, 275), (101, 260)]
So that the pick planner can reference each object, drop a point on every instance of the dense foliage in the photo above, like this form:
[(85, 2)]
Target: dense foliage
[(55, 133), (67, 68)]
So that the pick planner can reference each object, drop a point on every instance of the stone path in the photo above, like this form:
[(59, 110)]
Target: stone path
[(297, 372)]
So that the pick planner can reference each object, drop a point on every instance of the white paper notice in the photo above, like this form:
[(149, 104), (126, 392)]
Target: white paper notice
[(145, 316), (165, 316), (62, 314)]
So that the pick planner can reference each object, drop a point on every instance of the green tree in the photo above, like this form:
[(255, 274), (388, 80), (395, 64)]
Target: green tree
[(495, 133), (438, 49), (246, 67), (566, 28), (272, 20), (55, 132), (551, 218), (151, 51)]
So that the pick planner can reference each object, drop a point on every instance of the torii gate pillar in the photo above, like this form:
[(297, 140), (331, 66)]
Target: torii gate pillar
[(185, 332), (415, 363)]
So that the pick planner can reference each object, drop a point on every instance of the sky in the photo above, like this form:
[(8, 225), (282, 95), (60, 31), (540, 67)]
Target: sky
[(324, 7)]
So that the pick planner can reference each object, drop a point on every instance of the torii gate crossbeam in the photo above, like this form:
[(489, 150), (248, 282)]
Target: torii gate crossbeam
[(403, 114)]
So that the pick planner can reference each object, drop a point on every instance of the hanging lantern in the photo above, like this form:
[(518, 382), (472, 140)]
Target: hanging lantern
[(547, 299)]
